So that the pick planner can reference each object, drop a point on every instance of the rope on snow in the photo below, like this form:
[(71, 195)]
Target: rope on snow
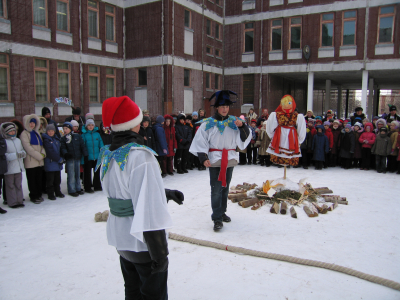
[(301, 261)]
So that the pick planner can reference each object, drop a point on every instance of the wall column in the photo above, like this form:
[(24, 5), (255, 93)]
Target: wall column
[(364, 90), (310, 91), (339, 110), (327, 95), (370, 105)]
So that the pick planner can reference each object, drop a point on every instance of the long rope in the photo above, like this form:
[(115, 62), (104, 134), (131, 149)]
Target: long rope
[(301, 261)]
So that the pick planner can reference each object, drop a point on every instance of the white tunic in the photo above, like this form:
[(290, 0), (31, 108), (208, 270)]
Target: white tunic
[(140, 181), (272, 124), (212, 139)]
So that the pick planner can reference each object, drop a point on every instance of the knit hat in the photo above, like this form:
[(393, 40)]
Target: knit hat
[(242, 117), (383, 129), (8, 127), (358, 109), (89, 116), (330, 111), (347, 120), (76, 110), (68, 125), (337, 122), (146, 119), (146, 112), (160, 119), (318, 121), (33, 120), (223, 98), (74, 123), (89, 122), (375, 118), (347, 126), (181, 116), (195, 113), (121, 113), (357, 119), (358, 124), (310, 111), (327, 123), (188, 117), (393, 107), (50, 127), (396, 123), (253, 121), (45, 110)]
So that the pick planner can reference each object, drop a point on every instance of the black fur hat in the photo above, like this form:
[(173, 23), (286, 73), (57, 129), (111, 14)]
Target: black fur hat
[(76, 111)]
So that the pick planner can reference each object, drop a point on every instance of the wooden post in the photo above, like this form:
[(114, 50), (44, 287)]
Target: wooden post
[(293, 213), (338, 201), (324, 209), (309, 212), (283, 208), (275, 208), (248, 202), (284, 174)]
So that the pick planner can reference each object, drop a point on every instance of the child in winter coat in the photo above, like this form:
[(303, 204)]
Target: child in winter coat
[(169, 130), (72, 149), (329, 135), (263, 141), (346, 145), (161, 143), (381, 148), (367, 140), (358, 130), (35, 154), (106, 134), (320, 146), (183, 135), (146, 132), (379, 124), (252, 148), (15, 166), (251, 115), (242, 153), (3, 166), (53, 162), (75, 127), (393, 135), (93, 143), (305, 148), (336, 134), (313, 131)]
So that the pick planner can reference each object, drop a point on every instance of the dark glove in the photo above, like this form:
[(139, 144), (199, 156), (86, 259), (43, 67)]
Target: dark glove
[(175, 195), (86, 159), (68, 156), (158, 249)]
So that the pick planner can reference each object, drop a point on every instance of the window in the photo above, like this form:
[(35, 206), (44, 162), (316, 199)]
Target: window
[(110, 23), (217, 31), (208, 80), (209, 50), (217, 53), (62, 15), (248, 89), (249, 37), (216, 84), (295, 33), (93, 84), (386, 24), (349, 28), (186, 77), (276, 35), (327, 30), (110, 82), (217, 2), (93, 18), (188, 19), (40, 12), (3, 9), (208, 27), (41, 80), (63, 77), (142, 77), (4, 78)]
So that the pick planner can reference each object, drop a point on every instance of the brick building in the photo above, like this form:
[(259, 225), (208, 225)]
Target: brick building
[(170, 56)]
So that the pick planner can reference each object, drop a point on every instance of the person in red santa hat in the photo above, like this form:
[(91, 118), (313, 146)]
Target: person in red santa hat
[(131, 179)]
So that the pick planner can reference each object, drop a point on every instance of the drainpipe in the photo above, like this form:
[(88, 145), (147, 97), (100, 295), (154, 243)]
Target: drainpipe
[(173, 53), (202, 55), (261, 58), (124, 49), (223, 47), (162, 60), (366, 33), (80, 54)]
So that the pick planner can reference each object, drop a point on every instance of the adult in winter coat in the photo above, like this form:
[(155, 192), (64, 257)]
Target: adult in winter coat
[(169, 130), (336, 130), (367, 140), (3, 164), (76, 115), (381, 148), (263, 117), (46, 113), (320, 147), (93, 143), (357, 114), (147, 133), (346, 145), (106, 134), (161, 143), (329, 135), (263, 141), (392, 116), (251, 115), (393, 135), (183, 135), (15, 166), (42, 129), (34, 160), (358, 130), (53, 162)]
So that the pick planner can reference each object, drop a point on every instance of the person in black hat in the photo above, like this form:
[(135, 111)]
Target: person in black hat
[(76, 115), (215, 145), (392, 116), (358, 114), (46, 113)]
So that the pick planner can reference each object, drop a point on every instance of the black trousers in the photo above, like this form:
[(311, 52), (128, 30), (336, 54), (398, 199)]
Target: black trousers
[(346, 163), (53, 181), (391, 163), (380, 162), (304, 158), (87, 176), (140, 284), (366, 158), (252, 154), (242, 158), (162, 163), (34, 177), (334, 159), (182, 157)]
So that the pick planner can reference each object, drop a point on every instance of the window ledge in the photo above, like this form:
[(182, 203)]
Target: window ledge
[(294, 1), (275, 55), (94, 39), (5, 26), (111, 47), (111, 43), (248, 57), (209, 90), (248, 4), (140, 87), (94, 104), (294, 54), (63, 37), (210, 55), (94, 43), (326, 52), (384, 49), (41, 28), (218, 57), (211, 37), (7, 109), (188, 88), (64, 33), (275, 2), (189, 29), (348, 51), (2, 20)]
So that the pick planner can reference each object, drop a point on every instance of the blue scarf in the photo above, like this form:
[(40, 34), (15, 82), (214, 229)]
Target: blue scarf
[(35, 138), (253, 133)]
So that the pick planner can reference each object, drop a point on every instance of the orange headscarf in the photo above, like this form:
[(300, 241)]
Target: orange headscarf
[(287, 105)]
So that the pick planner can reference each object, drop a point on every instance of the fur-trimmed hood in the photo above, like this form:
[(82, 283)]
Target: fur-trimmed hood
[(44, 123), (168, 117), (20, 126), (26, 121)]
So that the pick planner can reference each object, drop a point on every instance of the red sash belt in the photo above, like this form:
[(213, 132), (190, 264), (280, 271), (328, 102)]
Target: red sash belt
[(293, 139), (224, 164)]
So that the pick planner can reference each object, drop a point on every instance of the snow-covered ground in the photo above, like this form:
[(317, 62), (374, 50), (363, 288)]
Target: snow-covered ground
[(55, 250)]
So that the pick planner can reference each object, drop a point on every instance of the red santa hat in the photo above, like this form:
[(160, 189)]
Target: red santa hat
[(121, 113)]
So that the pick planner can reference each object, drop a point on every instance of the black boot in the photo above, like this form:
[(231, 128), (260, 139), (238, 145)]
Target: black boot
[(2, 211), (218, 225), (225, 218)]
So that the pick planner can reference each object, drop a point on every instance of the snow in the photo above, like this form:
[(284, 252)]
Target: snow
[(55, 250)]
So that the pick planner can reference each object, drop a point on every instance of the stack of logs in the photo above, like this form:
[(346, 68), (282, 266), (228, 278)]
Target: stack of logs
[(238, 194)]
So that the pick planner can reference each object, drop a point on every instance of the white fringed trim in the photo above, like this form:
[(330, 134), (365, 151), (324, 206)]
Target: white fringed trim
[(128, 125)]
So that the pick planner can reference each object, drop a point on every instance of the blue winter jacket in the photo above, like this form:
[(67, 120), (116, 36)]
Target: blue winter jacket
[(161, 140), (320, 145), (93, 143), (53, 159)]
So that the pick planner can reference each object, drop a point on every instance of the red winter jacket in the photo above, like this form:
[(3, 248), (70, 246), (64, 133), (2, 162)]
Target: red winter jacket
[(170, 136), (329, 135), (367, 136)]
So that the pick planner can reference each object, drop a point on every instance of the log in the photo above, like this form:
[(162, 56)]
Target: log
[(275, 208), (324, 209), (338, 201), (283, 208), (248, 202), (237, 197), (263, 196), (332, 207), (309, 212), (258, 204), (293, 213), (319, 208), (334, 197), (323, 191)]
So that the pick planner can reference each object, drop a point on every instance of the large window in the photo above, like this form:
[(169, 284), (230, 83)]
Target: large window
[(186, 78), (41, 80), (208, 27), (248, 89), (276, 35), (110, 82), (295, 33), (4, 78), (249, 37), (63, 77), (208, 81), (188, 19), (327, 30), (110, 23), (3, 9), (217, 31), (63, 15), (40, 12), (217, 53), (386, 24), (216, 83), (93, 18), (349, 27), (94, 73), (142, 77)]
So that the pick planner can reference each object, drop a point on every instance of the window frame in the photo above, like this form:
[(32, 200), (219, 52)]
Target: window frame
[(208, 80), (333, 29), (5, 10), (209, 34), (111, 15), (219, 31), (244, 36), (275, 27), (40, 69), (7, 66), (393, 14), (211, 50), (190, 78), (98, 82), (355, 29), (97, 10), (215, 52), (114, 77), (69, 78), (217, 79), (190, 19), (68, 16), (290, 31), (138, 80), (47, 16)]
